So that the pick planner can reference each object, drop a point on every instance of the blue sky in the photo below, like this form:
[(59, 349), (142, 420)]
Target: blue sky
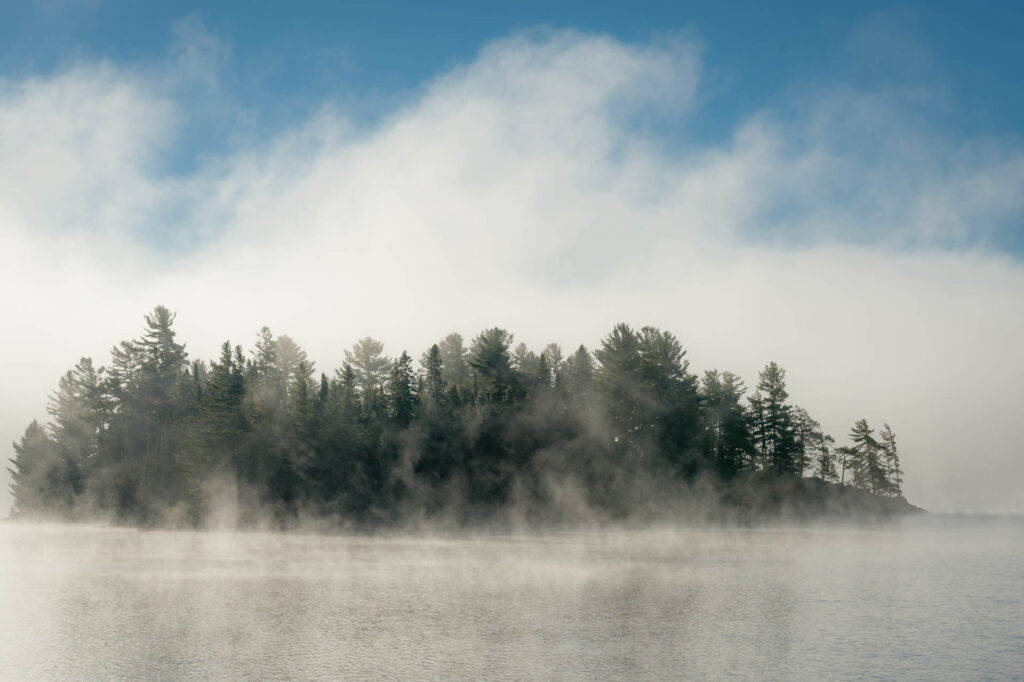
[(835, 187), (279, 63)]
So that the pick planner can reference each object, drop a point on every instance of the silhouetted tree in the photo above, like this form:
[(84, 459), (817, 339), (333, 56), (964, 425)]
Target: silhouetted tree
[(868, 471), (894, 474), (773, 430), (726, 432)]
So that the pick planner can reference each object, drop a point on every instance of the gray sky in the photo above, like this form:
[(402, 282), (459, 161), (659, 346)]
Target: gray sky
[(530, 189)]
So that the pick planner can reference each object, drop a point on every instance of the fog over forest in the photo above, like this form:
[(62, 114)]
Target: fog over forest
[(485, 432), (529, 189)]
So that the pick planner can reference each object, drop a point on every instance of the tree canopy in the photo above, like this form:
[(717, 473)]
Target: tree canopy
[(154, 436)]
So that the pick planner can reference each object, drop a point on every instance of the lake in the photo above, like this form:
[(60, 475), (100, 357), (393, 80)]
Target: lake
[(927, 597)]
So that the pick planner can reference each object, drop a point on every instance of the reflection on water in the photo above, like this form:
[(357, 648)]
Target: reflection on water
[(926, 598)]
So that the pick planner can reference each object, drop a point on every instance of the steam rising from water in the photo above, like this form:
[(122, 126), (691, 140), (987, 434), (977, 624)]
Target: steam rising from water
[(797, 603)]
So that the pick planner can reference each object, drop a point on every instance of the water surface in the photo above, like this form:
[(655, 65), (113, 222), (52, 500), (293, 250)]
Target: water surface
[(928, 597)]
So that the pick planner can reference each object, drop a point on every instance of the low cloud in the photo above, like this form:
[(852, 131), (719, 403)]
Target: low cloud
[(527, 190)]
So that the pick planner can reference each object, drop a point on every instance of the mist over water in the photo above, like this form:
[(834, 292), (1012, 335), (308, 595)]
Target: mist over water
[(924, 597)]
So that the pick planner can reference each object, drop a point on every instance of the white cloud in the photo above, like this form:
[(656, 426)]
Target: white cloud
[(519, 190)]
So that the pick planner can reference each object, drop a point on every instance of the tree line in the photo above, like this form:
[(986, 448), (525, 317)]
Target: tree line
[(476, 428)]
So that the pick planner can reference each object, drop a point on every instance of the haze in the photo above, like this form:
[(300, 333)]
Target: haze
[(554, 184)]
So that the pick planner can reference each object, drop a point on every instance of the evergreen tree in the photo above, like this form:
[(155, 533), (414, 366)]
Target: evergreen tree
[(553, 357), (773, 429), (137, 474), (348, 386), (163, 361), (726, 436), (401, 393), (221, 428), (808, 439), (847, 460), (370, 365), (454, 359), (542, 375), (265, 353), (670, 403), (894, 474), (434, 384), (125, 374), (868, 470), (78, 412), (825, 460), (578, 374), (618, 378), (489, 358), (43, 480), (524, 361), (290, 358)]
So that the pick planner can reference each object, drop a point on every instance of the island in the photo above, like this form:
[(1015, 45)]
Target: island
[(489, 432)]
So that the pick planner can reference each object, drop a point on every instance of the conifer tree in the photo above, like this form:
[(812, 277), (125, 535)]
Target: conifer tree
[(401, 391), (454, 359), (524, 361), (489, 358), (726, 436), (370, 365), (825, 459), (78, 412), (43, 480), (290, 357), (894, 474), (668, 404), (553, 356), (434, 384), (163, 361), (868, 470), (773, 429), (578, 377), (221, 426), (542, 374), (618, 378)]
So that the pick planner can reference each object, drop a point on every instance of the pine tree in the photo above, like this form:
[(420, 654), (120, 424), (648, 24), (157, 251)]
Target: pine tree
[(726, 436), (808, 439), (894, 474), (825, 460), (542, 375), (868, 471), (553, 356), (348, 389), (489, 358), (78, 412), (773, 429), (290, 357), (434, 384), (401, 393), (43, 481), (125, 374), (221, 426), (668, 404), (578, 377), (163, 361), (454, 359), (618, 379), (524, 361), (370, 365)]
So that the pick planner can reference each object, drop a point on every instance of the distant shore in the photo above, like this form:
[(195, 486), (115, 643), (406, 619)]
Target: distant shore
[(761, 496)]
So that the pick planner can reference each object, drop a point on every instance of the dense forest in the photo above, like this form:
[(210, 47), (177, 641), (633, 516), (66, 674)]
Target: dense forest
[(478, 430)]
